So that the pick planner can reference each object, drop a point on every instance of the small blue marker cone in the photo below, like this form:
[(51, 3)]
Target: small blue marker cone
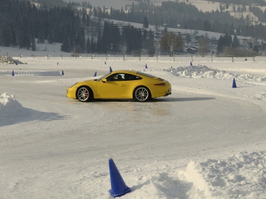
[(191, 63), (234, 83), (111, 69), (95, 74), (63, 72), (13, 74), (105, 62), (146, 66), (118, 186)]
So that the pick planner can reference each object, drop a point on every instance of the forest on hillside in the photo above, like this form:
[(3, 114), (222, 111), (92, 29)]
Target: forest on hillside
[(187, 16), (23, 23)]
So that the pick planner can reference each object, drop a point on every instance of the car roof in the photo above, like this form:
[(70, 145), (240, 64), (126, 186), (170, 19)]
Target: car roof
[(125, 71)]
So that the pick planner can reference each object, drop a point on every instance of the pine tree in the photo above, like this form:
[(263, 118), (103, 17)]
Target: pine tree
[(235, 43), (150, 44), (93, 46), (66, 47), (99, 47), (33, 44), (145, 23), (88, 46)]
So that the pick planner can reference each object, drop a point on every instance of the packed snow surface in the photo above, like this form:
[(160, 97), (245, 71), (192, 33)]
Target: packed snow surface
[(206, 140)]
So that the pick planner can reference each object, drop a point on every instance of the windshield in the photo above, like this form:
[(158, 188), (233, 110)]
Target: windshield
[(103, 77)]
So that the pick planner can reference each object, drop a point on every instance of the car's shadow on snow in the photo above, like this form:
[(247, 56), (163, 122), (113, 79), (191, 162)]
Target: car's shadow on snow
[(162, 99), (29, 115), (182, 99)]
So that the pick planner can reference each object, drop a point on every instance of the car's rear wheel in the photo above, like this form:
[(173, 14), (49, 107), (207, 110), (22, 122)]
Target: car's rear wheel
[(84, 94), (141, 94)]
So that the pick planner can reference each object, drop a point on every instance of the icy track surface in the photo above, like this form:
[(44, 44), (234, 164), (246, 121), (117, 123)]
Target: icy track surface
[(206, 140)]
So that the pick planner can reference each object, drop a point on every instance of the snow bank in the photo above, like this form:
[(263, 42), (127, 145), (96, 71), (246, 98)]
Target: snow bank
[(206, 72), (29, 73), (240, 176), (10, 107)]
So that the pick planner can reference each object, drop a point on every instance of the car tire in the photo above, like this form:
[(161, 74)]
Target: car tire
[(84, 94), (141, 94)]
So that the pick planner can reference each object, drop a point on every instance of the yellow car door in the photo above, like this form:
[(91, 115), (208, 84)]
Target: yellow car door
[(112, 87)]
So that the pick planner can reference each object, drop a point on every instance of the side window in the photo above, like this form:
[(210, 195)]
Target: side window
[(122, 77), (117, 77), (112, 77), (133, 77)]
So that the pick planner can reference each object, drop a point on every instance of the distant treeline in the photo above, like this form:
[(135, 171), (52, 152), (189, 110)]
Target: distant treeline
[(187, 16), (23, 23), (241, 2)]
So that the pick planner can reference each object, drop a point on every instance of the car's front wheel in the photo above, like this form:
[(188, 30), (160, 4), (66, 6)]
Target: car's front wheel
[(141, 94), (84, 94)]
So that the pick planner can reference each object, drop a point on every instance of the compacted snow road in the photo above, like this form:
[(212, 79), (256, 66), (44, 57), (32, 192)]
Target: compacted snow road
[(182, 125), (51, 141)]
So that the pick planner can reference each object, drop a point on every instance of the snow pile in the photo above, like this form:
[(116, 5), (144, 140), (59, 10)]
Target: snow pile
[(9, 60), (29, 73), (206, 72), (199, 72), (10, 107), (260, 96), (240, 176)]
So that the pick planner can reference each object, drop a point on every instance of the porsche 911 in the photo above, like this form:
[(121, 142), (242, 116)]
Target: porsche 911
[(122, 84)]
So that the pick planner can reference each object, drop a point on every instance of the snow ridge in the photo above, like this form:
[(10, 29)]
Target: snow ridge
[(10, 107), (239, 176), (202, 71)]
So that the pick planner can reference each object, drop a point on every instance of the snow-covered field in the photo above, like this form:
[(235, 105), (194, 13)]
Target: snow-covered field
[(206, 140)]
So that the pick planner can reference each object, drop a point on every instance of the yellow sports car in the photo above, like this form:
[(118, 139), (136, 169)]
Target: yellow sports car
[(123, 84)]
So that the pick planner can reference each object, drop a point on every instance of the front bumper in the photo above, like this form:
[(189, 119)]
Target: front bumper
[(71, 92)]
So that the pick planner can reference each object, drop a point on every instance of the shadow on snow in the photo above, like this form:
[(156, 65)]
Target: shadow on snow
[(29, 115)]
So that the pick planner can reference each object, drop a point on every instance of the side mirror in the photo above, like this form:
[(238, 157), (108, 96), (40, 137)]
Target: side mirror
[(104, 80)]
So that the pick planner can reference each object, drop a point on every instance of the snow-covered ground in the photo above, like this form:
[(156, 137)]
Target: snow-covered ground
[(206, 140)]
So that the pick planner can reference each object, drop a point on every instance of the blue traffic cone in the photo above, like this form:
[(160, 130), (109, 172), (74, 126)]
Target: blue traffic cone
[(111, 69), (95, 74), (234, 83), (191, 63), (118, 186), (13, 74), (63, 72), (146, 66)]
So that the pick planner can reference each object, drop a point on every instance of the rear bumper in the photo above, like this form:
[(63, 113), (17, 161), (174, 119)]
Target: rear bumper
[(167, 94)]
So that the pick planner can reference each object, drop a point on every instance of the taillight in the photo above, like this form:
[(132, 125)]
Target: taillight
[(159, 84)]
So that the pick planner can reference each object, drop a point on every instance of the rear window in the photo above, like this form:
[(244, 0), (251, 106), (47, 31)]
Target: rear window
[(145, 74)]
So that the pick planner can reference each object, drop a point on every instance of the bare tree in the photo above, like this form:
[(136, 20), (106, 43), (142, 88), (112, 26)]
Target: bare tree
[(171, 42), (203, 46)]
